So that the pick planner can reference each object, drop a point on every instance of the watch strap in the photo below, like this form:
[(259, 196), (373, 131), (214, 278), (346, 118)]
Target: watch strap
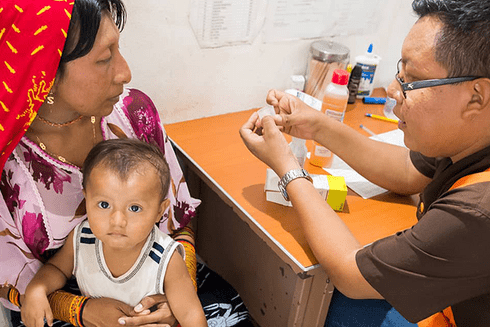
[(289, 177)]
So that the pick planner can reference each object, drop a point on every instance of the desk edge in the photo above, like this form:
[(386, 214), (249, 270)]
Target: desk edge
[(244, 212)]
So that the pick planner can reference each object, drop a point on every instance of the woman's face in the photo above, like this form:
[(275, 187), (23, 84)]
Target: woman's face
[(91, 84)]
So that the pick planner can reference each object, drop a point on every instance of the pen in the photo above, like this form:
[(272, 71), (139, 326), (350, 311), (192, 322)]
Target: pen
[(367, 130), (382, 118)]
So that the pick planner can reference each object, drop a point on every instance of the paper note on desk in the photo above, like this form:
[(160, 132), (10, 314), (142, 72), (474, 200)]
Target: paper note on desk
[(355, 181)]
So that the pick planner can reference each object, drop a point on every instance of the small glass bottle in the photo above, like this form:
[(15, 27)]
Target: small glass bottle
[(334, 105), (298, 147)]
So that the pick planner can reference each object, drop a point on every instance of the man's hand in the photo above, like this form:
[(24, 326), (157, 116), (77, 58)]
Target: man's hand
[(271, 147), (152, 311), (294, 117), (104, 312)]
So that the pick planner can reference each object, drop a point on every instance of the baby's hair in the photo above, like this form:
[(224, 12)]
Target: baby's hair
[(123, 156)]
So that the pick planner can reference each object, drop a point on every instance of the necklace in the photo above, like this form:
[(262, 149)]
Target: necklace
[(50, 123), (61, 158)]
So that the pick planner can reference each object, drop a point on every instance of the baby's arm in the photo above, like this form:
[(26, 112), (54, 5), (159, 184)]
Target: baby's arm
[(51, 277), (181, 294)]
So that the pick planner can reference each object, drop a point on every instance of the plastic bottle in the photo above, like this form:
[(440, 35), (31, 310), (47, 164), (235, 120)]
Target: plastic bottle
[(334, 105), (368, 62), (336, 95), (298, 146), (353, 85)]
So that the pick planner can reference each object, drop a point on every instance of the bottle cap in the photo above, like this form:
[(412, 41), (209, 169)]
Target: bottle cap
[(329, 51), (340, 77), (370, 48)]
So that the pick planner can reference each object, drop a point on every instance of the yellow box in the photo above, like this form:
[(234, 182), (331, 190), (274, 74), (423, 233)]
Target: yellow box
[(337, 192), (332, 188)]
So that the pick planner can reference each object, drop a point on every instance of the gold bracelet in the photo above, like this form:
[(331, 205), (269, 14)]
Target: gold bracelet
[(185, 231), (67, 307), (14, 296)]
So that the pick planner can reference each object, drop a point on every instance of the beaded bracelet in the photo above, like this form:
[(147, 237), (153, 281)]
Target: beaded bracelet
[(190, 260)]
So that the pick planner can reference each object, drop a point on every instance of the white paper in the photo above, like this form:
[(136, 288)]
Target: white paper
[(294, 19), (218, 23), (355, 17), (303, 19), (354, 180)]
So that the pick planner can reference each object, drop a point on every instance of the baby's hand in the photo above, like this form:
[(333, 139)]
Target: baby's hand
[(35, 307)]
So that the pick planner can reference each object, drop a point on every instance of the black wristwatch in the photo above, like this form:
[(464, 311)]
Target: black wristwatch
[(290, 176)]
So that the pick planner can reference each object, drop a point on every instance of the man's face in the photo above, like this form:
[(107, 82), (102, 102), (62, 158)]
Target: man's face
[(430, 117)]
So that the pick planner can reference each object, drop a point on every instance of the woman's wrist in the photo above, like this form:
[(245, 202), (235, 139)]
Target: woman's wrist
[(14, 296), (185, 233), (11, 294), (68, 307)]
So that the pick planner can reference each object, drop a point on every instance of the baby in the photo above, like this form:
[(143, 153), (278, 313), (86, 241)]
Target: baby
[(118, 251)]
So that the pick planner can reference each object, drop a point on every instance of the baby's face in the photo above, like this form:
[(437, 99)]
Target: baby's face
[(122, 212)]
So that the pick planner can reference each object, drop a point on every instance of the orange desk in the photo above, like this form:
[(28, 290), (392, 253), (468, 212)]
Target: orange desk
[(258, 246)]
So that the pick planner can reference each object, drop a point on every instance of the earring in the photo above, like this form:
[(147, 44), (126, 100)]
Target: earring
[(50, 98)]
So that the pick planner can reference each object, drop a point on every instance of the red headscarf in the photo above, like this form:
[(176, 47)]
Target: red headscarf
[(32, 37)]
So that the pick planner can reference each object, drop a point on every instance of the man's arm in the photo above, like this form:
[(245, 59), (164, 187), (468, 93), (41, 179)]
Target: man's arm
[(386, 165), (332, 243)]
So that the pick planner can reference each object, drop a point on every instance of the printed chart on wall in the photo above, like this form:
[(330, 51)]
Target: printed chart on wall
[(297, 19), (218, 23)]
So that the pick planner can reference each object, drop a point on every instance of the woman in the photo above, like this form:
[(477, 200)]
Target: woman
[(65, 107)]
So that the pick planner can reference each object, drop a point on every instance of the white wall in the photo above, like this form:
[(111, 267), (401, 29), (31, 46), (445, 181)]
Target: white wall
[(187, 82)]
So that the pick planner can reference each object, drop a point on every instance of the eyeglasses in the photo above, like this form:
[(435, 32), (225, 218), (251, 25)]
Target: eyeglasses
[(429, 82)]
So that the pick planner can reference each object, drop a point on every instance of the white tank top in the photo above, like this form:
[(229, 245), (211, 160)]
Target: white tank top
[(144, 278)]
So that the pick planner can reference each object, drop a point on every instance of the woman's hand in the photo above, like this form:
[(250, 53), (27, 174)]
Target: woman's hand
[(152, 311), (294, 116), (271, 147)]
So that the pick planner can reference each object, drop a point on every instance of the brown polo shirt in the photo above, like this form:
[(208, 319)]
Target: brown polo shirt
[(444, 259)]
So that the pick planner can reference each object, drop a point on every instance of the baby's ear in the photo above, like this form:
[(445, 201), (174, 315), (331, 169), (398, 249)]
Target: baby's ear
[(163, 206)]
